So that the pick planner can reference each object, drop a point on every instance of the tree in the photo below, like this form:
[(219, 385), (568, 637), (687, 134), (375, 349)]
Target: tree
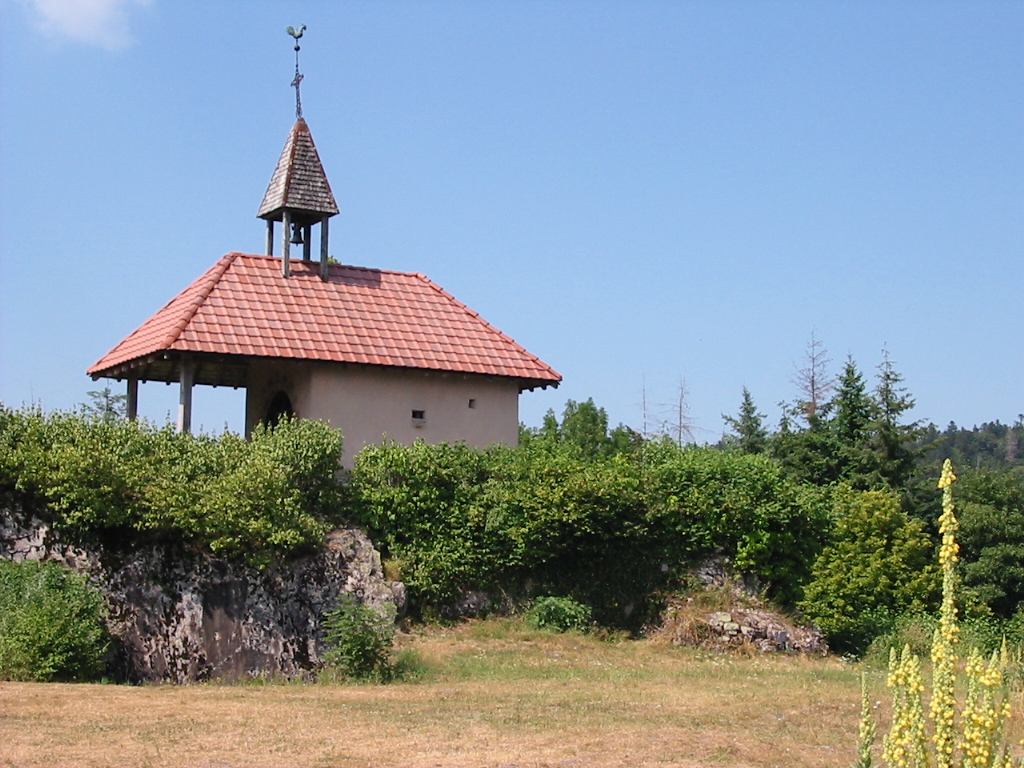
[(809, 454), (893, 440), (878, 566), (992, 536), (750, 433), (682, 424), (1015, 440), (105, 406), (671, 420), (856, 436), (625, 439), (813, 380), (853, 414), (585, 426), (549, 428)]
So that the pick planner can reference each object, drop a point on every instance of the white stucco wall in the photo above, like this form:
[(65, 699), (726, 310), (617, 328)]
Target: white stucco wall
[(370, 403)]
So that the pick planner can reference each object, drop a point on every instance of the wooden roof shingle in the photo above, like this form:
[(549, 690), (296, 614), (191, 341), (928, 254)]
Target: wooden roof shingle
[(299, 182)]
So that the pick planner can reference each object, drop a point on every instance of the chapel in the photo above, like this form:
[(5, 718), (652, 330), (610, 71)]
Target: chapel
[(375, 353)]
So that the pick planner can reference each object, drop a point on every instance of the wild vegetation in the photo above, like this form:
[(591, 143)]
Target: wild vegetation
[(833, 513), (360, 641), (608, 530), (109, 481), (950, 734), (51, 624)]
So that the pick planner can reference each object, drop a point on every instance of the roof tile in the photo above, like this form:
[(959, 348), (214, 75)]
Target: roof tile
[(243, 305)]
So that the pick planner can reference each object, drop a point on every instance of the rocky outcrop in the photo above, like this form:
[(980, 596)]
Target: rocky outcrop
[(691, 621), (727, 612), (178, 615)]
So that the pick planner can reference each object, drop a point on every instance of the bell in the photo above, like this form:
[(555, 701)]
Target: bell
[(296, 235)]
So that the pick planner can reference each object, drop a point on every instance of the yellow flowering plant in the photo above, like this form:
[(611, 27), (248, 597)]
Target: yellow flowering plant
[(970, 738)]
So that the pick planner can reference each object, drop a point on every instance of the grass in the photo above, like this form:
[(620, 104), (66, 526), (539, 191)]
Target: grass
[(492, 695)]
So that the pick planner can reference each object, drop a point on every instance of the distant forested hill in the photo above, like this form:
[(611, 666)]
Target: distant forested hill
[(992, 445)]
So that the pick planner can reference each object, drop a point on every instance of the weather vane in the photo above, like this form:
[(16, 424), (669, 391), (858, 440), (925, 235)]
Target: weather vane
[(297, 33)]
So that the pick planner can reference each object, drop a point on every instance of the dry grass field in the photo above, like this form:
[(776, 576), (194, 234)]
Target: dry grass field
[(493, 696)]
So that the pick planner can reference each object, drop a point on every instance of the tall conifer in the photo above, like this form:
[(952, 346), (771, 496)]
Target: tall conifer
[(751, 436)]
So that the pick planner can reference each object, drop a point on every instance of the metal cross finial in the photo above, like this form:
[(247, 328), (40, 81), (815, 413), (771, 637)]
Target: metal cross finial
[(297, 33)]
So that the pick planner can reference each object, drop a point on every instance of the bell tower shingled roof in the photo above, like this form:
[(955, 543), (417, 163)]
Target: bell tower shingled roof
[(299, 194), (299, 184)]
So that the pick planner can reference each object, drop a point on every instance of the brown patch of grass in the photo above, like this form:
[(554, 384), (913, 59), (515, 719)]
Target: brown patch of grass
[(495, 696)]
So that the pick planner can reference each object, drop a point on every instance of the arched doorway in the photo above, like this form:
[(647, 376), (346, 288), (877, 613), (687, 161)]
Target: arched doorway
[(280, 405)]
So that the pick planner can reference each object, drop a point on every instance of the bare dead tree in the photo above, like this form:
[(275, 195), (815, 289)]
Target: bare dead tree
[(812, 379), (643, 404), (1013, 439), (683, 425), (675, 421)]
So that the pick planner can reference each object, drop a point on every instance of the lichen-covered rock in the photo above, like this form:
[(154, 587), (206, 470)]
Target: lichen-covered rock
[(180, 615), (766, 630), (723, 616)]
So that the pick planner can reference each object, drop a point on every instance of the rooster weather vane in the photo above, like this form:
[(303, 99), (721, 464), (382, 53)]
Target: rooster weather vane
[(297, 33)]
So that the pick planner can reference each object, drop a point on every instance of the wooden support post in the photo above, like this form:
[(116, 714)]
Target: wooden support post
[(307, 235), (286, 245), (133, 398), (323, 248), (186, 379), (270, 237)]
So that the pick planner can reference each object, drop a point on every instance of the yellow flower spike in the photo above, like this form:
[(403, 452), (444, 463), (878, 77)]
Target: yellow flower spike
[(976, 737), (947, 478)]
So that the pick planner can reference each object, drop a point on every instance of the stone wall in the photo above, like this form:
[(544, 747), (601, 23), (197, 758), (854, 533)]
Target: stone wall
[(178, 615)]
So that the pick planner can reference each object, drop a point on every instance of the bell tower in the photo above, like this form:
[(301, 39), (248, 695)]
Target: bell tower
[(299, 194)]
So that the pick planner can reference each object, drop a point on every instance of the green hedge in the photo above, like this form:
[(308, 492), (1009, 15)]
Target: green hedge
[(123, 483), (703, 502), (609, 530)]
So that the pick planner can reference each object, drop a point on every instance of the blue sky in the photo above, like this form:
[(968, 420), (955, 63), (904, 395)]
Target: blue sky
[(638, 192)]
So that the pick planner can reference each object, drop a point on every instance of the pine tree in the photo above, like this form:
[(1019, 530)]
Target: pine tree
[(893, 439), (105, 406), (851, 426), (751, 436)]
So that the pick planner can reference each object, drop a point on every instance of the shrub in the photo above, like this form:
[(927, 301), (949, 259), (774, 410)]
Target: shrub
[(702, 502), (561, 614), (913, 630), (275, 493), (574, 525), (421, 505), (51, 624), (878, 567), (360, 641), (499, 519), (613, 530)]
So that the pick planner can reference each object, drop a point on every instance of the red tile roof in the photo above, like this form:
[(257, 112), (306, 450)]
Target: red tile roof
[(243, 306)]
